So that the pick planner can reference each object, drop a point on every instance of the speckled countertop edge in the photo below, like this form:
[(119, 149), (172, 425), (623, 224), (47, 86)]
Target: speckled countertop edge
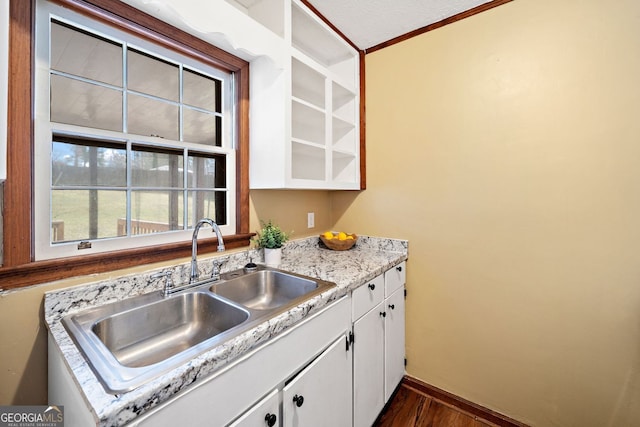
[(370, 257)]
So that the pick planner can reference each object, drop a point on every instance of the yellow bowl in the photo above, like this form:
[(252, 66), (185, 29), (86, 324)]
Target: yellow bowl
[(339, 245)]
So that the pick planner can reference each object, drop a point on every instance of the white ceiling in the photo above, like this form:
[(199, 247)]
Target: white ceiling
[(368, 23)]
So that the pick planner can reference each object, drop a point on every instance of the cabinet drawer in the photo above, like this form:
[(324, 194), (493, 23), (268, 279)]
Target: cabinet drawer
[(367, 296), (395, 278)]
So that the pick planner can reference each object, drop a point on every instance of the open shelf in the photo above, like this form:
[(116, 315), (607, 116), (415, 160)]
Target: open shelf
[(343, 103), (269, 13), (307, 162), (307, 84), (344, 167), (313, 38), (307, 123), (343, 135)]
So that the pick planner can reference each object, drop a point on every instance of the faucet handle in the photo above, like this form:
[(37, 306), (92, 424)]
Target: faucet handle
[(215, 270), (250, 267), (168, 284), (160, 275)]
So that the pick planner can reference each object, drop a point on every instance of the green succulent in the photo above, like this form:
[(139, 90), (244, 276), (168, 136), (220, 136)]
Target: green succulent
[(270, 237)]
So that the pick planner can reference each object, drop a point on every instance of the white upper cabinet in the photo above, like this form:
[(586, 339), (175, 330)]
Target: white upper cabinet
[(304, 83), (305, 120)]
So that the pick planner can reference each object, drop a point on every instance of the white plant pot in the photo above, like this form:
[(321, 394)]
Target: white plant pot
[(273, 257)]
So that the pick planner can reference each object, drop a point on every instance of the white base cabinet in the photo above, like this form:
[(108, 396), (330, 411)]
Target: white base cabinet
[(218, 400), (314, 374), (378, 343), (228, 394)]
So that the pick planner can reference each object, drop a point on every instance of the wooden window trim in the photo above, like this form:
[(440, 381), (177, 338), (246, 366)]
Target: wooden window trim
[(19, 268)]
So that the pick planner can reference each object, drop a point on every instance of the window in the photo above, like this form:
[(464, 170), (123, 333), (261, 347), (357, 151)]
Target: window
[(134, 142)]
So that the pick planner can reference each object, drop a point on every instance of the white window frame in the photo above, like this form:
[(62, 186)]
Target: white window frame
[(44, 131)]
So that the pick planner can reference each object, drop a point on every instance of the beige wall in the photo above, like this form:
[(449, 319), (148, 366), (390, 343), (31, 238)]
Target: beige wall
[(506, 148), (23, 335), (289, 208)]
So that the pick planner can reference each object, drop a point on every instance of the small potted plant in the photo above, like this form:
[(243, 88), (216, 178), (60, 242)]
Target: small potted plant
[(271, 238)]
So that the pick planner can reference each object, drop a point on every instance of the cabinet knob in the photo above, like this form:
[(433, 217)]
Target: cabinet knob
[(399, 268), (270, 419), (383, 313), (372, 286), (299, 400), (392, 306)]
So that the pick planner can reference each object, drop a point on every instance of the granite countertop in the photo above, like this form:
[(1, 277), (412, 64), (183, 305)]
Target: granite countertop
[(370, 257)]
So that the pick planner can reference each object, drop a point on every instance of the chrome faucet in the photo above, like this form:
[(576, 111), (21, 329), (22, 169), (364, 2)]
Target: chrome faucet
[(194, 246)]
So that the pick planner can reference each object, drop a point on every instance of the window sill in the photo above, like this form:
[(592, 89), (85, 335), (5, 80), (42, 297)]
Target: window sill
[(51, 270)]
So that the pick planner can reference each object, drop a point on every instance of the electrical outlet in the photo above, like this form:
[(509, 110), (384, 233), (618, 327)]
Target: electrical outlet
[(311, 220)]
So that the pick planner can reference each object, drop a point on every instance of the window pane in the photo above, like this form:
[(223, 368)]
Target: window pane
[(87, 165), (81, 54), (84, 104), (156, 169), (121, 185), (152, 76), (88, 214), (201, 128), (150, 117), (207, 171), (201, 91), (156, 211), (207, 204)]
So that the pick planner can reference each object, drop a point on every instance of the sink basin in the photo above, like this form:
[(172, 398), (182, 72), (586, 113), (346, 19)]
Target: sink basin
[(155, 332), (132, 341), (265, 289)]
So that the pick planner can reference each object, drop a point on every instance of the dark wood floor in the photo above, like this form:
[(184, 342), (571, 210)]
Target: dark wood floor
[(413, 408)]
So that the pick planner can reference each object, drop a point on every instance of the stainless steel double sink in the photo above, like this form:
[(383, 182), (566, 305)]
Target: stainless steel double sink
[(130, 342)]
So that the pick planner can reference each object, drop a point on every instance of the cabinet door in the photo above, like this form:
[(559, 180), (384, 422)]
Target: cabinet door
[(320, 395), (368, 365), (394, 342), (264, 413)]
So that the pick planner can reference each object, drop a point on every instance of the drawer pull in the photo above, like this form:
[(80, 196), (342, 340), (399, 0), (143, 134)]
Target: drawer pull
[(399, 268), (299, 400), (372, 286), (392, 306), (270, 419), (383, 313)]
